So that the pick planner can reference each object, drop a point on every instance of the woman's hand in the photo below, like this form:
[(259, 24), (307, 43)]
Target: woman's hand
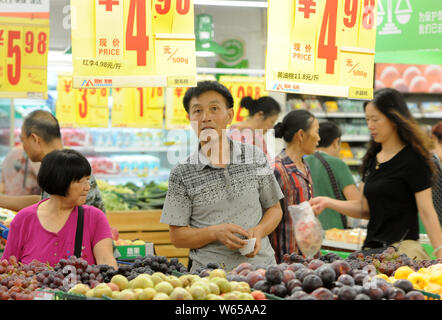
[(318, 204), (257, 234)]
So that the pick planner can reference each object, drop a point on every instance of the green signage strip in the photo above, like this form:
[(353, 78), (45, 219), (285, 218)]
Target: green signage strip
[(413, 27)]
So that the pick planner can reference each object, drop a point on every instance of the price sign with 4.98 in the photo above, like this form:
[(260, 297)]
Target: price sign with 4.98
[(323, 47), (24, 45), (133, 43)]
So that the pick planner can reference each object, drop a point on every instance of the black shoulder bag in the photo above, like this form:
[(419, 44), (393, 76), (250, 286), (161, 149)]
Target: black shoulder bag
[(79, 232), (333, 183)]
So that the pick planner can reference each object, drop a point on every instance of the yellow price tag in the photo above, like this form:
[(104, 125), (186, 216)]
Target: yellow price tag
[(138, 107), (24, 45), (241, 87), (123, 110), (92, 108), (320, 47), (176, 115), (123, 44), (65, 104)]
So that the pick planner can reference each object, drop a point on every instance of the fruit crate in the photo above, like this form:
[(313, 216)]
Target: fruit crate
[(342, 254), (429, 295), (61, 295)]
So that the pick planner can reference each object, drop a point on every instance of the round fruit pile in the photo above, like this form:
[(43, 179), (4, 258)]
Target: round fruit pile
[(159, 286), (330, 277)]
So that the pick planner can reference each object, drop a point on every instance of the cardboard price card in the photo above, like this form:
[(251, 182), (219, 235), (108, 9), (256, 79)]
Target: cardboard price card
[(138, 107), (322, 47), (24, 45), (133, 43), (176, 115), (241, 87), (81, 107)]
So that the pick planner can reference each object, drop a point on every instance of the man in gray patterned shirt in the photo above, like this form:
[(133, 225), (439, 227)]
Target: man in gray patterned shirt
[(40, 134), (222, 194)]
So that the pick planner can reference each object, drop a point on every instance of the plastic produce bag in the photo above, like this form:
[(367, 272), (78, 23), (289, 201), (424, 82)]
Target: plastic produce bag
[(308, 229)]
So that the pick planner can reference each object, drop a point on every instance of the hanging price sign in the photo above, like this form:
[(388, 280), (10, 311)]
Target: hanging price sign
[(176, 115), (65, 104), (24, 45), (241, 87), (81, 107), (133, 43), (322, 47), (138, 107)]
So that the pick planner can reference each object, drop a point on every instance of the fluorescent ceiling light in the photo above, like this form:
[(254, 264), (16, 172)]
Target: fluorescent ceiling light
[(248, 4)]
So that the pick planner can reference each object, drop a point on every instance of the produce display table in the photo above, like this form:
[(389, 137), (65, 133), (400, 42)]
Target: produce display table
[(146, 226)]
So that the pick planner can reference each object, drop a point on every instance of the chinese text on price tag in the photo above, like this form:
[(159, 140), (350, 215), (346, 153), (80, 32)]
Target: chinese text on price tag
[(323, 47), (133, 43)]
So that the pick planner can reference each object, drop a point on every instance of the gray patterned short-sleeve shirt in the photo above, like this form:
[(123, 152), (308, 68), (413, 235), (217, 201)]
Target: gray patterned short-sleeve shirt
[(201, 195)]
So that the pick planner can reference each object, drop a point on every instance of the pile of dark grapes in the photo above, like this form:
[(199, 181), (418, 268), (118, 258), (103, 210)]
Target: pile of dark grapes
[(148, 264), (18, 281), (68, 272), (388, 261)]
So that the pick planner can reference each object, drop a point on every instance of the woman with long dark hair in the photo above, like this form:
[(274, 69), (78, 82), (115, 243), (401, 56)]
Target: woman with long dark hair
[(397, 175)]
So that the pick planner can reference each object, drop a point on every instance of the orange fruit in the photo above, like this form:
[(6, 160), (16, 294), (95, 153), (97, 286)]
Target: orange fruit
[(403, 272)]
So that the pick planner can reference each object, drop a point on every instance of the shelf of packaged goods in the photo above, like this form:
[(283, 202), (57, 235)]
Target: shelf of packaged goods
[(355, 138), (145, 225), (344, 115), (432, 115), (162, 175), (353, 162), (147, 149)]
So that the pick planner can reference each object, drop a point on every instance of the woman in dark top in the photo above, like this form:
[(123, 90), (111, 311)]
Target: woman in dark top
[(397, 173)]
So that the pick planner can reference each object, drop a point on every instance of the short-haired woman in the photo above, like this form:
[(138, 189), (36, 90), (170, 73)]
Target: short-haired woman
[(300, 130), (397, 178), (46, 231)]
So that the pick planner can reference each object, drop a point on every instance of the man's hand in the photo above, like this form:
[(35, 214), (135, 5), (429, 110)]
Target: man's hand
[(225, 233), (257, 234)]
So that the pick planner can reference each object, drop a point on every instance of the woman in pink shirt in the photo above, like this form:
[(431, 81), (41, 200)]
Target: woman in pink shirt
[(263, 113), (46, 231)]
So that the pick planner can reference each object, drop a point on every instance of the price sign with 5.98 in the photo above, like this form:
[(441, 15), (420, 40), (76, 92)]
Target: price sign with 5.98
[(323, 47), (133, 43), (24, 46)]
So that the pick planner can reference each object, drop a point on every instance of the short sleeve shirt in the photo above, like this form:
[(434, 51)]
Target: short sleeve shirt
[(29, 240), (322, 185), (390, 191), (201, 195), (19, 173), (93, 197)]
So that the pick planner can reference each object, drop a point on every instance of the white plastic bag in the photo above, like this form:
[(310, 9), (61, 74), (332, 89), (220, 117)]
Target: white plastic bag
[(308, 229)]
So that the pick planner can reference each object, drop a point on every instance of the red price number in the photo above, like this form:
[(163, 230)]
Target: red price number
[(83, 105), (163, 6), (140, 41), (327, 48), (14, 51)]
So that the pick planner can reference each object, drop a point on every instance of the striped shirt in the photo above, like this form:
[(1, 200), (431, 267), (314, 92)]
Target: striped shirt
[(297, 188)]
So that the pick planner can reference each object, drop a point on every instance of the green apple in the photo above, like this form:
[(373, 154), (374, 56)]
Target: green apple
[(164, 287), (147, 294), (121, 281)]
